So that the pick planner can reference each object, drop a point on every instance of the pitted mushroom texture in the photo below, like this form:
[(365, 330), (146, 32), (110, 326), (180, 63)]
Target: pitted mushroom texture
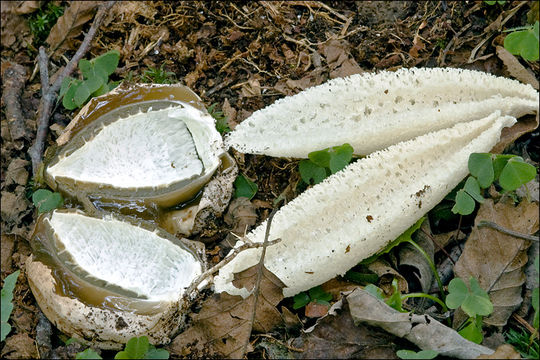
[(144, 150), (125, 255), (373, 111), (354, 213)]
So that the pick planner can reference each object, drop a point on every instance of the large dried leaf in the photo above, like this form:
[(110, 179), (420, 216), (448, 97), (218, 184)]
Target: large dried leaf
[(515, 68), (422, 330), (70, 24), (497, 259), (508, 135), (412, 263), (223, 325), (337, 337)]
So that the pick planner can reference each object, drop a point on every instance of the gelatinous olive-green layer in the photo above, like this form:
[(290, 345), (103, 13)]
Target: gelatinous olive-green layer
[(119, 104), (74, 282)]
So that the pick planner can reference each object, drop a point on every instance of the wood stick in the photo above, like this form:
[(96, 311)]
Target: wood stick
[(14, 78), (49, 93)]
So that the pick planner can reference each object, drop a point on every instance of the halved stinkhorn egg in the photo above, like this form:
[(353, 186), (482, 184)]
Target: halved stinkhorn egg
[(146, 145), (107, 279)]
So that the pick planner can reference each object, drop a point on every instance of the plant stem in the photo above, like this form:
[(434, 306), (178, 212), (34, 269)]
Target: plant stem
[(431, 297), (490, 224), (431, 265)]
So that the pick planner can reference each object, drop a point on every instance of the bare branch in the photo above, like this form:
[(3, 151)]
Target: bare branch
[(205, 275), (49, 93), (490, 224), (260, 268), (13, 80)]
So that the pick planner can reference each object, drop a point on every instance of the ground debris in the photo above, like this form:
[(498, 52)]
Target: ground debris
[(497, 260)]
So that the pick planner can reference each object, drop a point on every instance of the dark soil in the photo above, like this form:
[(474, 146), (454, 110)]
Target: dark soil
[(242, 56)]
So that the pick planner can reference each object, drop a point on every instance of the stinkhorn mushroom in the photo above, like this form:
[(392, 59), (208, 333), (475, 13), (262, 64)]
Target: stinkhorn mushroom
[(354, 213), (105, 280), (372, 111), (157, 151)]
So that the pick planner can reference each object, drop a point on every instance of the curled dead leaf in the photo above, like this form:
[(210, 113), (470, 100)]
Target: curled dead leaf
[(497, 260), (70, 24), (223, 325)]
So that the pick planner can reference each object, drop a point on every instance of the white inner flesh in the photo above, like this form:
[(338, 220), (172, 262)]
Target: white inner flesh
[(127, 256), (372, 111), (150, 149), (354, 213)]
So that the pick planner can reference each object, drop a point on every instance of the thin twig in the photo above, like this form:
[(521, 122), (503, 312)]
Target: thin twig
[(205, 275), (49, 93), (260, 269), (282, 343), (13, 79), (490, 224)]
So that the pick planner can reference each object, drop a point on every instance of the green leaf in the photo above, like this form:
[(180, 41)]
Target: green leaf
[(45, 200), (6, 305), (360, 278), (154, 353), (93, 83), (423, 354), (311, 171), (499, 163), (334, 158), (473, 189), (375, 291), (535, 303), (340, 156), (136, 348), (320, 158), (244, 187), (66, 83), (82, 93), (473, 331), (474, 301), (301, 300), (102, 90), (481, 167), (464, 203), (516, 173), (405, 236), (88, 354), (524, 43), (68, 99), (317, 293), (394, 300), (86, 68), (107, 62)]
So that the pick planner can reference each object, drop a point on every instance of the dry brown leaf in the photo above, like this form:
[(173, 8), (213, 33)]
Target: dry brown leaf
[(127, 12), (337, 337), (19, 346), (386, 274), (422, 330), (7, 246), (515, 68), (251, 88), (241, 215), (70, 24), (505, 351), (16, 172), (497, 259), (316, 310), (509, 135), (223, 326), (413, 265)]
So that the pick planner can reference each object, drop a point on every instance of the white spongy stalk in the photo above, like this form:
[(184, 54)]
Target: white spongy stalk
[(152, 149), (371, 111), (354, 213), (125, 255)]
